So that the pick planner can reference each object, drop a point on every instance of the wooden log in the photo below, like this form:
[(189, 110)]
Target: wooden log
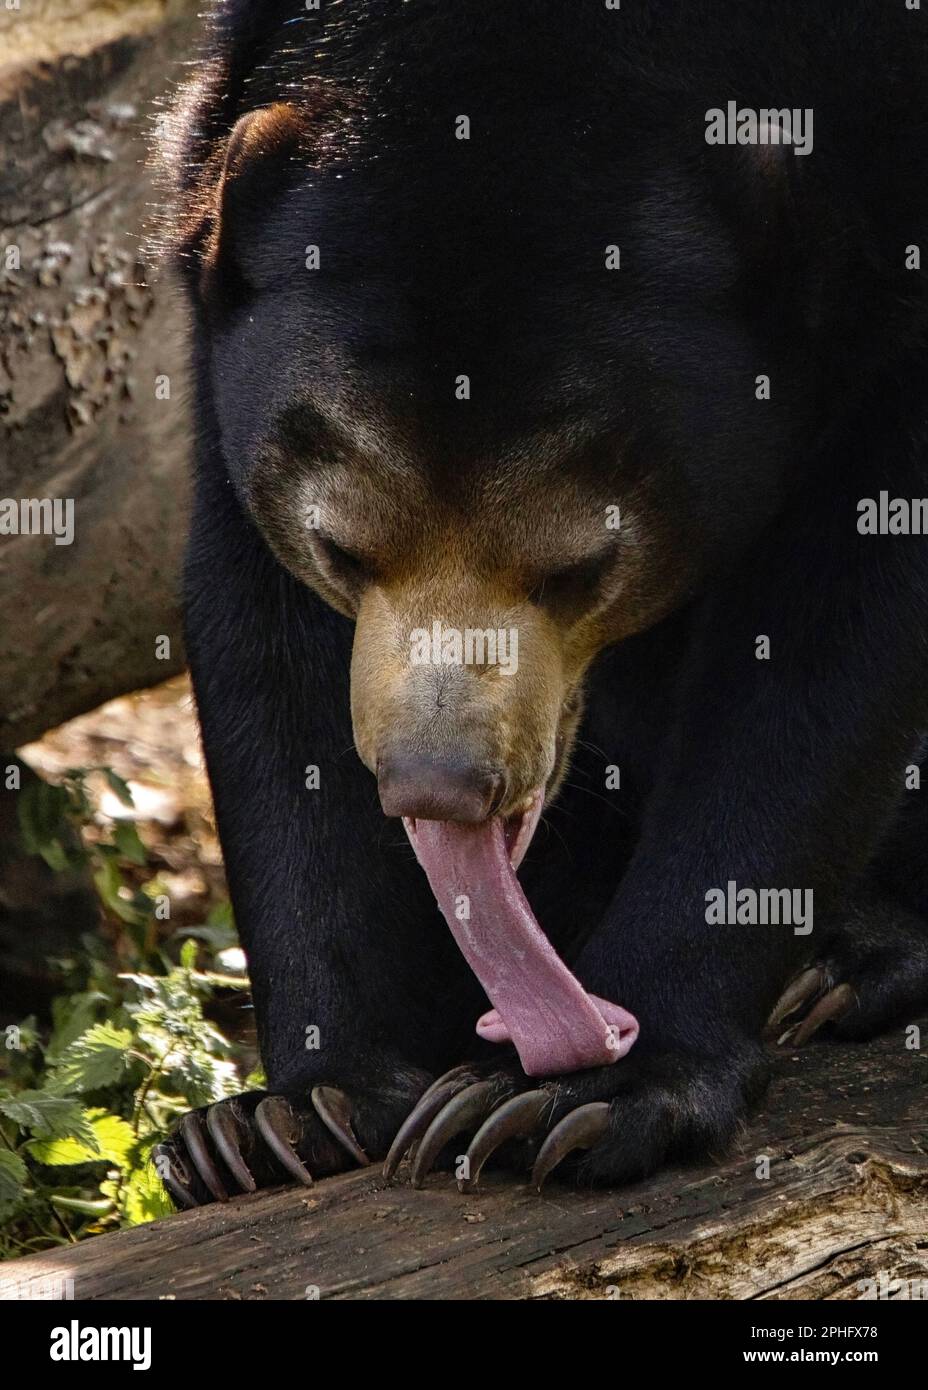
[(846, 1202), (85, 336)]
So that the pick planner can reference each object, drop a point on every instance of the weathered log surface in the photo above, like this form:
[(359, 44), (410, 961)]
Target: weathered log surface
[(85, 331), (845, 1129)]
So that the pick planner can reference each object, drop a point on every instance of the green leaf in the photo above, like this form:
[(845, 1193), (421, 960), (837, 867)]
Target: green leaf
[(41, 810), (72, 1015), (117, 785), (49, 1116), (201, 1078), (13, 1177), (97, 1058), (108, 881), (219, 931), (143, 1196), (115, 1143), (59, 1153), (56, 856), (127, 841), (188, 955), (114, 1135), (221, 915), (79, 807)]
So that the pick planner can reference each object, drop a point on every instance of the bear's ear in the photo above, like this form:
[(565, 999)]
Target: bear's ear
[(260, 162), (758, 189)]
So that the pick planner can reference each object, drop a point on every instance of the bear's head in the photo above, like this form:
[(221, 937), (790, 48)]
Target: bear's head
[(495, 399)]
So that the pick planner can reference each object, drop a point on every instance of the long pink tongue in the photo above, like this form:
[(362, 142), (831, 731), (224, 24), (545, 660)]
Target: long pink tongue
[(539, 1005)]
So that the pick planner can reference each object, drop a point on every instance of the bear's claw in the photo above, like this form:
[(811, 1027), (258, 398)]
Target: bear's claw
[(463, 1110), (175, 1175), (458, 1102), (516, 1118), (334, 1110), (212, 1153), (192, 1131), (871, 973), (423, 1112), (814, 990), (580, 1129), (833, 1005), (799, 992), (230, 1132), (280, 1130)]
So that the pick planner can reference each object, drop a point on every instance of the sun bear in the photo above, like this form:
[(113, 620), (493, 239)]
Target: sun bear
[(564, 723)]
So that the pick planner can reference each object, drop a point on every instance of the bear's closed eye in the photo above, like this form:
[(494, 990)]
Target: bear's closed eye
[(573, 584), (341, 564)]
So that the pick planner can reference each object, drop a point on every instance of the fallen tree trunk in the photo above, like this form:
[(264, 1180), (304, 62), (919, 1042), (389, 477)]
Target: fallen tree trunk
[(85, 340), (843, 1214)]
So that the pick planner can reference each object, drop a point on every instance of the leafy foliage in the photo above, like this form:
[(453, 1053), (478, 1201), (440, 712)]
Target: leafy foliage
[(97, 1057), (129, 1050)]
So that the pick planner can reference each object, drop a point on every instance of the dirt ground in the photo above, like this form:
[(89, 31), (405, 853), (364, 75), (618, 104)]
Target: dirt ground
[(151, 740)]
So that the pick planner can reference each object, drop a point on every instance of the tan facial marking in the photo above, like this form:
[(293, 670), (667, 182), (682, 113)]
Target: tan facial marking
[(490, 554)]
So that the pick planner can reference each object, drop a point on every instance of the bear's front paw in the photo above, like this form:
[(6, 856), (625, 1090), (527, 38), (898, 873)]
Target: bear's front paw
[(265, 1139), (609, 1125)]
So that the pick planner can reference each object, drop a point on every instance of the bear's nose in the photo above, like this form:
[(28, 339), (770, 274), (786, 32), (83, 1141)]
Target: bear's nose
[(425, 788)]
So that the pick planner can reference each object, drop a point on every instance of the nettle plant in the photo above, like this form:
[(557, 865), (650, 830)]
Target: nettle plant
[(129, 1049)]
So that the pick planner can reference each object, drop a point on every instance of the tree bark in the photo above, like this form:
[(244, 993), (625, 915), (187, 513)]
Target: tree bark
[(839, 1214), (93, 363)]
